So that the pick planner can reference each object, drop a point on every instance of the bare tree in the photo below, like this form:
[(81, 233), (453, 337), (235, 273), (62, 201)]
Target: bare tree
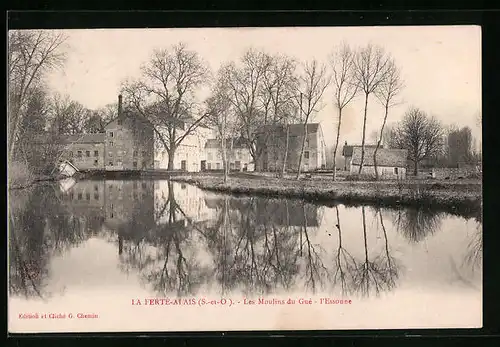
[(388, 90), (165, 95), (252, 107), (420, 134), (370, 71), (280, 82), (31, 53), (67, 116), (221, 116), (313, 82), (345, 88)]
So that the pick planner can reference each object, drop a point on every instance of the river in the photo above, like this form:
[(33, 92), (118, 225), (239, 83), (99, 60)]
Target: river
[(107, 249)]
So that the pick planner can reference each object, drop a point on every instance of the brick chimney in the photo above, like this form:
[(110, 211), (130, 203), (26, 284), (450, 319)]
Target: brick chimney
[(120, 110)]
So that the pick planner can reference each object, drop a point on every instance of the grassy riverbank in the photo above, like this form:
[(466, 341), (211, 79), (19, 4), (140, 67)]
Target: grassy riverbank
[(464, 195)]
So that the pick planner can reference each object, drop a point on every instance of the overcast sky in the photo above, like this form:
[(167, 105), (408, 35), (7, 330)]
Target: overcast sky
[(441, 66)]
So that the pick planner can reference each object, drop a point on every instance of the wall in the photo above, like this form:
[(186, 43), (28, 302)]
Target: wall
[(215, 161), (86, 162), (273, 153), (452, 173), (128, 146), (385, 172)]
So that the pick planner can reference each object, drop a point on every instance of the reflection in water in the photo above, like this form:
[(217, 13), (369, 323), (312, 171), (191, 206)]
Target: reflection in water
[(417, 223), (179, 240)]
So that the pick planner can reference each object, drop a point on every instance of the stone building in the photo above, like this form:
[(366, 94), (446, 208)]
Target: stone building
[(271, 144), (238, 155)]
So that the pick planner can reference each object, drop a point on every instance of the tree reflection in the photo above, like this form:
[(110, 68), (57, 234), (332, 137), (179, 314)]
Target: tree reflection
[(39, 228), (373, 275), (345, 265), (417, 223), (163, 253), (474, 254), (388, 263)]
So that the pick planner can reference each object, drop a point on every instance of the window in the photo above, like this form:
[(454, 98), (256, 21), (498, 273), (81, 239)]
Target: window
[(110, 154), (134, 164), (306, 155), (71, 196), (111, 143), (96, 196), (135, 184), (96, 188), (96, 153), (110, 134), (396, 170), (79, 154), (218, 166), (307, 142), (110, 163), (135, 154), (119, 162), (209, 166), (96, 162), (87, 196), (87, 153), (120, 121), (80, 196), (71, 154), (143, 185), (144, 153)]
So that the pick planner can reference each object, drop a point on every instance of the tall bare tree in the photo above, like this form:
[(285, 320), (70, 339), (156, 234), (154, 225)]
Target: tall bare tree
[(313, 82), (345, 87), (166, 95), (31, 53), (221, 116), (420, 134), (370, 71), (252, 107), (67, 116), (386, 94)]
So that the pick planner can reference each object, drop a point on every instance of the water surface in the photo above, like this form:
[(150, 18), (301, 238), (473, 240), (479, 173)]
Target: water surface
[(95, 246)]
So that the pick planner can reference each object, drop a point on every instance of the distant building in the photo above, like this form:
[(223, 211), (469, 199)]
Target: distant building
[(239, 157), (391, 163), (347, 154), (126, 144), (271, 144), (189, 155)]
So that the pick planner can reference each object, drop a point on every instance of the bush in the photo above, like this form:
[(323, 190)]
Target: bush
[(19, 174), (362, 177)]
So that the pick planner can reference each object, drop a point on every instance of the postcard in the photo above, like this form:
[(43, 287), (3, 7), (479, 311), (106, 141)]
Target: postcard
[(256, 179)]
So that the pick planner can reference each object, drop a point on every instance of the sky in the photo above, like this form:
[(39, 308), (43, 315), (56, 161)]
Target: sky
[(440, 65)]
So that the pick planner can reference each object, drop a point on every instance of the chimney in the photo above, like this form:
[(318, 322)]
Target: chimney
[(119, 105), (345, 144)]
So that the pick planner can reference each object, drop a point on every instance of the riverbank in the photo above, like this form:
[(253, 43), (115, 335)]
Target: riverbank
[(465, 196)]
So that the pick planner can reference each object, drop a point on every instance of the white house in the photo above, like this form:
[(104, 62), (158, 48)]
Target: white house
[(239, 156), (391, 163), (189, 155)]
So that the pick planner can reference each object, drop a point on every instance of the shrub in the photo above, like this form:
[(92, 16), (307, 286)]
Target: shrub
[(19, 174), (362, 177)]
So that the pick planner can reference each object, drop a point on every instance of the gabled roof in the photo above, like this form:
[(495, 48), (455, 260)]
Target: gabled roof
[(385, 157), (295, 129), (216, 143), (68, 139), (347, 150)]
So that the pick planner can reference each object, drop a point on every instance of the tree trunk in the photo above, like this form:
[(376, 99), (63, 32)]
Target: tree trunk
[(363, 138), (171, 154), (224, 158), (285, 155), (302, 149), (415, 168), (336, 146), (380, 141)]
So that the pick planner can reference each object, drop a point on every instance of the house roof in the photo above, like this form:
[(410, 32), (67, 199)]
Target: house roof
[(67, 139), (385, 157), (215, 143), (347, 150), (295, 129)]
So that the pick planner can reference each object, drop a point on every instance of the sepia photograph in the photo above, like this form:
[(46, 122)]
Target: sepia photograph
[(244, 179)]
